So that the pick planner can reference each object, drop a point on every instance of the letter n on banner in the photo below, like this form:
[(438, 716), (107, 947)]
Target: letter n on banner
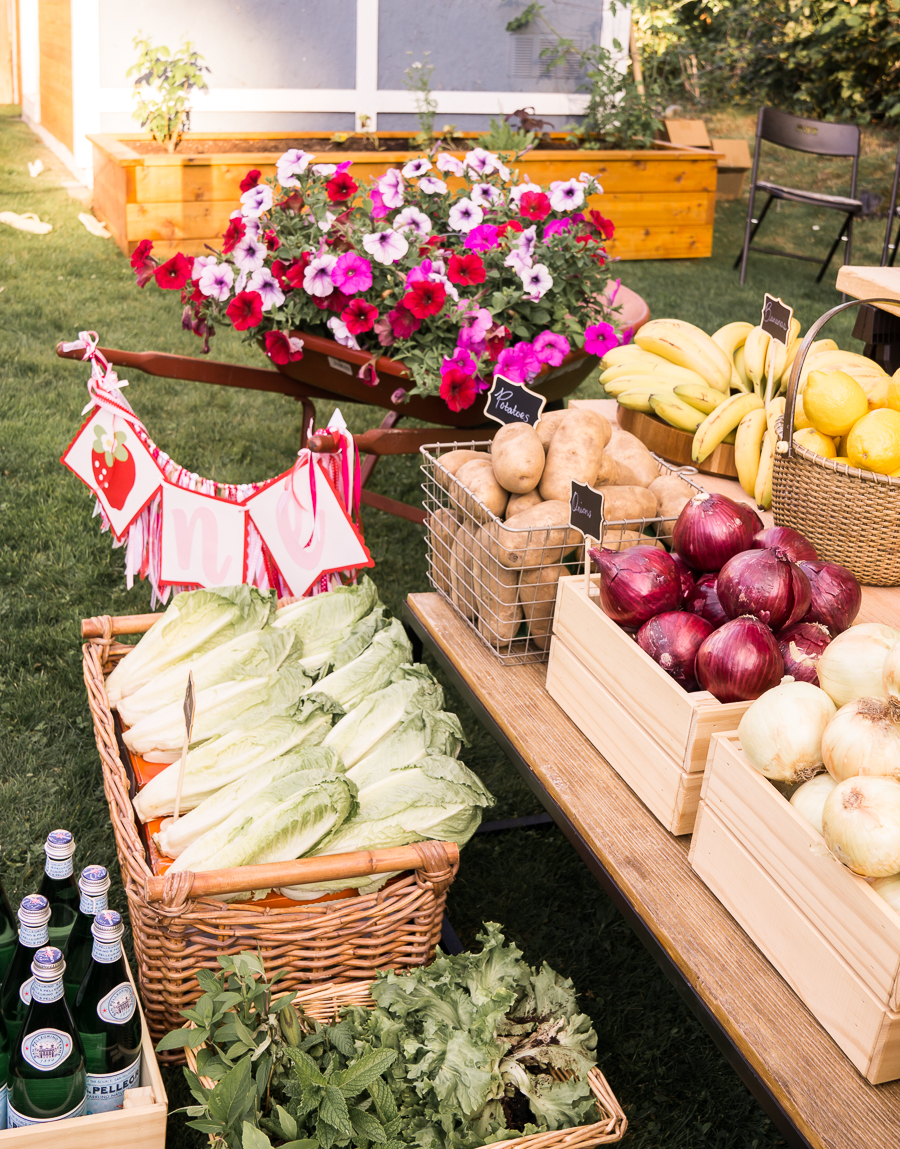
[(202, 540)]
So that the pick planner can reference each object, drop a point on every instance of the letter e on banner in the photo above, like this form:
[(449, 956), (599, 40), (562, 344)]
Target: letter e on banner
[(202, 540)]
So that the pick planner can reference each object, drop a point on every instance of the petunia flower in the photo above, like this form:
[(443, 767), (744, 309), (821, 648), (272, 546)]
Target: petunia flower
[(403, 322), (390, 186), (249, 254), (535, 205), (384, 332), (174, 273), (256, 201), (484, 237), (466, 270), (317, 276), (324, 170), (379, 207), (519, 363), (282, 348), (516, 193), (415, 168), (600, 338), (291, 164), (464, 215), (341, 187), (234, 233), (458, 390), (339, 330), (461, 360), (431, 185), (253, 227), (566, 195), (143, 262), (201, 261), (216, 280), (335, 301), (551, 348), (245, 310), (359, 316), (266, 285), (251, 179), (556, 227), (606, 227), (271, 240), (536, 281), (450, 164), (482, 163), (352, 273), (485, 195), (518, 262), (294, 274), (425, 298), (412, 219), (496, 340), (385, 246), (527, 242)]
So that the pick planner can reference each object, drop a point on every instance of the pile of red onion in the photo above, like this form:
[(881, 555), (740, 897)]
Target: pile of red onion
[(735, 607)]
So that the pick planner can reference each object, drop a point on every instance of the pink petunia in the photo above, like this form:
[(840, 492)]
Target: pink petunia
[(461, 360), (359, 316), (379, 207), (403, 322), (600, 338), (352, 273), (519, 363), (534, 205), (551, 348)]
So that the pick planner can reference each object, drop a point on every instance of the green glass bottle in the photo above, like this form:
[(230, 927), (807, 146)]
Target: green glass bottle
[(4, 1071), (58, 886), (93, 884), (15, 993), (108, 1020), (46, 1080), (9, 933)]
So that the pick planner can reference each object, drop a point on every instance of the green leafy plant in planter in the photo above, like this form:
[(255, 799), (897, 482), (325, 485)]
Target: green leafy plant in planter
[(163, 85), (417, 79), (506, 139)]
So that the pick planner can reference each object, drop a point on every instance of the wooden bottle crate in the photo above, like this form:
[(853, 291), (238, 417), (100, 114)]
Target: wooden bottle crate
[(648, 727), (829, 935)]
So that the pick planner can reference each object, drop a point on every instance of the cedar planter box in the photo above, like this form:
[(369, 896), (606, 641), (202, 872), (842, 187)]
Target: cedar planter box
[(662, 201)]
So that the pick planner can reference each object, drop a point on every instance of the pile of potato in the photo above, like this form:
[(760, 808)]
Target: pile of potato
[(501, 573)]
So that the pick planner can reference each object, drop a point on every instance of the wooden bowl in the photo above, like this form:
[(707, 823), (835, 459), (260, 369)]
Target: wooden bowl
[(674, 445)]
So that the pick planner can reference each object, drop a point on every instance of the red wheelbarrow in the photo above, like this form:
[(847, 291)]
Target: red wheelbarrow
[(328, 371)]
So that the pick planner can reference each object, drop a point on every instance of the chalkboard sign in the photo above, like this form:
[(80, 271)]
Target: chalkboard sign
[(586, 509), (509, 402), (776, 319)]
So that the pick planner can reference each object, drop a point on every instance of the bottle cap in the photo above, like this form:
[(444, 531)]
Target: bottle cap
[(94, 880), (107, 926), (59, 845), (34, 910), (48, 964)]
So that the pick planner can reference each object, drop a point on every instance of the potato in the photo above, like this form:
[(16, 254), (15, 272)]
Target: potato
[(629, 452), (575, 452), (628, 504), (442, 528), (672, 492), (496, 590), (538, 535), (537, 593), (450, 463), (462, 593), (608, 473), (519, 503), (517, 456), (477, 476), (548, 425), (616, 540)]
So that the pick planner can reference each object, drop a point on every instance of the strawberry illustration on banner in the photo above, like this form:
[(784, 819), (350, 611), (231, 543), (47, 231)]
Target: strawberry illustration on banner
[(202, 539)]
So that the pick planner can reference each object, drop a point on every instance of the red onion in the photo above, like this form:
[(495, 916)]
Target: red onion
[(686, 576), (835, 595), (751, 518), (786, 539), (739, 661), (710, 529), (800, 646), (704, 601), (766, 584), (637, 584), (673, 639)]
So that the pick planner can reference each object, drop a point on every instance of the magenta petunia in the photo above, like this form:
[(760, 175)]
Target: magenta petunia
[(600, 338), (352, 273), (519, 363), (551, 348), (461, 360), (483, 237), (403, 322)]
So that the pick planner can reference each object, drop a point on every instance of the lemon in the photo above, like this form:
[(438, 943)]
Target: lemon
[(816, 442), (874, 443), (841, 459), (893, 392), (876, 390), (833, 401)]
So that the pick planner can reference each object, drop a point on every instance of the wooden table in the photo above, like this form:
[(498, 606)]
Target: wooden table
[(878, 326), (799, 1076)]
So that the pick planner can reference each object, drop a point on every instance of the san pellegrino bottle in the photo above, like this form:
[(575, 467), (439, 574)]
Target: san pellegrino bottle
[(46, 1080), (58, 886), (93, 884), (108, 1020), (15, 993), (9, 933), (4, 1071)]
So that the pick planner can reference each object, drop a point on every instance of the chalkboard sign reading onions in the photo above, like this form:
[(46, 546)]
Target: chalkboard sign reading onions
[(510, 402), (586, 510)]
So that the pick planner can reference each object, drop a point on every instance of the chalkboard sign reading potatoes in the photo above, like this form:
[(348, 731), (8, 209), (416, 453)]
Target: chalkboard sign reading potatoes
[(776, 319), (510, 402), (586, 510)]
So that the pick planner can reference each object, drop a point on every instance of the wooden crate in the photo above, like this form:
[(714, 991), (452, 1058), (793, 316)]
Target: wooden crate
[(829, 935), (650, 730)]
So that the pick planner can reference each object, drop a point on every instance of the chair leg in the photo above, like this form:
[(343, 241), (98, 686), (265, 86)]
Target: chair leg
[(749, 234), (844, 227), (890, 220), (890, 247)]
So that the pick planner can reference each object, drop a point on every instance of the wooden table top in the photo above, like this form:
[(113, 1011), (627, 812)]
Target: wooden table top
[(831, 1105), (870, 283)]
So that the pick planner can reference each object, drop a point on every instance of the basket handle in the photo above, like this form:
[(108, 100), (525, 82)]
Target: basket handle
[(786, 446), (437, 859)]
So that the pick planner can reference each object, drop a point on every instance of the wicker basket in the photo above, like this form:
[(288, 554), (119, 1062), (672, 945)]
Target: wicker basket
[(177, 930), (510, 609), (851, 516), (324, 1003)]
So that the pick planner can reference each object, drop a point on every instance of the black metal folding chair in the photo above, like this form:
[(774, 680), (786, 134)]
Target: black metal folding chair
[(819, 138), (889, 253)]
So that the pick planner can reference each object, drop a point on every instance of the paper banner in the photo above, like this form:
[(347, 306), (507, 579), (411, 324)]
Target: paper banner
[(308, 534), (202, 539), (108, 457)]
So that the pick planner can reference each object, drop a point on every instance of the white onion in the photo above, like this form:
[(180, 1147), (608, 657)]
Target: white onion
[(863, 738), (809, 799), (781, 733), (889, 889), (890, 672), (851, 665), (861, 824)]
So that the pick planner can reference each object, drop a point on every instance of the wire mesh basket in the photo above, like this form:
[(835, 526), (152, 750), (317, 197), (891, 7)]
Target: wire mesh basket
[(502, 580)]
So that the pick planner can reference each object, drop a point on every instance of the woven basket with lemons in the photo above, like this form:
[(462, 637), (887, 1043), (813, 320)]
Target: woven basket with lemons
[(837, 464)]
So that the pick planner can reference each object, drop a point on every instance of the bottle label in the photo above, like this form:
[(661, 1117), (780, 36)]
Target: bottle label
[(25, 991), (15, 1119), (106, 952), (59, 867), (35, 936), (106, 1091), (46, 991), (46, 1048), (119, 1004), (3, 1096), (91, 905)]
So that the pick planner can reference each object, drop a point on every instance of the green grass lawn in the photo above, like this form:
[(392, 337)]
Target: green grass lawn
[(56, 568)]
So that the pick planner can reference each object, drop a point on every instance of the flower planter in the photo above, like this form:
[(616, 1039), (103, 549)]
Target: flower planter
[(662, 201)]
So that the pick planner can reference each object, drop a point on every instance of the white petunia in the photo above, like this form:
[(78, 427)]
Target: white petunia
[(482, 163), (324, 169), (256, 201), (341, 333), (291, 164), (431, 185), (325, 224), (391, 185), (516, 193), (417, 167), (565, 195), (450, 164), (537, 281), (252, 227), (268, 287), (518, 262), (485, 195), (464, 215), (527, 241), (385, 246), (412, 218), (200, 262), (317, 276), (249, 253), (216, 280)]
